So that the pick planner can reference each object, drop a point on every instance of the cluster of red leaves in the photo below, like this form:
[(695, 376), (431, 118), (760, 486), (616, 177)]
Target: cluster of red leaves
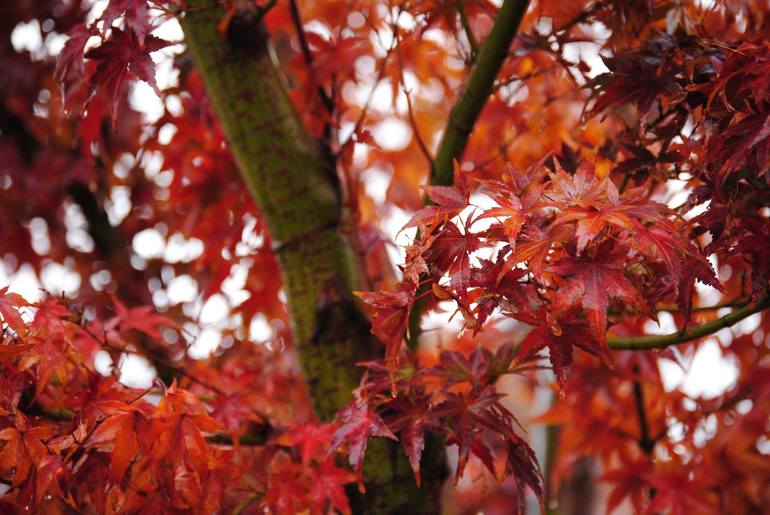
[(73, 438), (722, 92), (564, 253), (121, 53), (706, 450), (456, 399)]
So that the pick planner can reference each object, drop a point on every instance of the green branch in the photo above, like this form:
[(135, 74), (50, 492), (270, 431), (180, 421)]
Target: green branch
[(468, 107), (693, 333)]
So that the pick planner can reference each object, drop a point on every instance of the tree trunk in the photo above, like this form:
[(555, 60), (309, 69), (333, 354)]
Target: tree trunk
[(296, 190)]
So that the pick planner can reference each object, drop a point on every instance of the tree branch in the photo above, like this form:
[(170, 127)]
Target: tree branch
[(296, 19), (298, 194), (665, 340), (645, 440), (468, 107)]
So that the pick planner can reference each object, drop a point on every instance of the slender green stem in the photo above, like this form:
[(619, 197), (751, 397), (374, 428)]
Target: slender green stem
[(735, 303), (692, 333), (468, 107)]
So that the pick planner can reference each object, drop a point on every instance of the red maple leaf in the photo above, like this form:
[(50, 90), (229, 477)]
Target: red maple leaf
[(412, 418), (10, 303), (144, 319), (591, 282), (559, 337), (448, 202), (629, 480), (119, 57), (311, 439), (134, 13), (328, 484), (390, 318), (123, 428), (71, 56), (357, 423), (24, 448)]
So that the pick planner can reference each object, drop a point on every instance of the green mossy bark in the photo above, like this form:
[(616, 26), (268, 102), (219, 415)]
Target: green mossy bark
[(297, 193), (282, 165)]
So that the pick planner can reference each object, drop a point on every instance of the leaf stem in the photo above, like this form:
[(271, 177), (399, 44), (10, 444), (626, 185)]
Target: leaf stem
[(307, 55), (665, 340)]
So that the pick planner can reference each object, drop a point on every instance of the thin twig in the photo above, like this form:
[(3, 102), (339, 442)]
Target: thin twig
[(645, 441), (306, 54), (179, 370), (365, 108), (410, 107), (467, 28)]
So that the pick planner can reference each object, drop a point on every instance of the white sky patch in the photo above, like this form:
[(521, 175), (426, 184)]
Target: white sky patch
[(119, 204), (260, 329), (182, 288), (204, 344), (136, 371), (103, 363), (376, 182), (77, 237), (665, 324), (182, 250), (392, 134), (41, 243), (392, 223), (23, 281), (708, 375), (27, 37), (233, 286), (149, 244), (445, 322), (59, 279), (676, 194), (215, 310)]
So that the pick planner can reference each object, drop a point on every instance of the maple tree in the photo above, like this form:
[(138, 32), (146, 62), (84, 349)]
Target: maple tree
[(570, 173)]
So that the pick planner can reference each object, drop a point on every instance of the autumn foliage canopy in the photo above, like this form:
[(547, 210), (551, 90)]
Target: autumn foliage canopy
[(457, 250)]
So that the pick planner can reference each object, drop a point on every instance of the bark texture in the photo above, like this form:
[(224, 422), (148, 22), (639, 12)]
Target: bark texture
[(296, 190)]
